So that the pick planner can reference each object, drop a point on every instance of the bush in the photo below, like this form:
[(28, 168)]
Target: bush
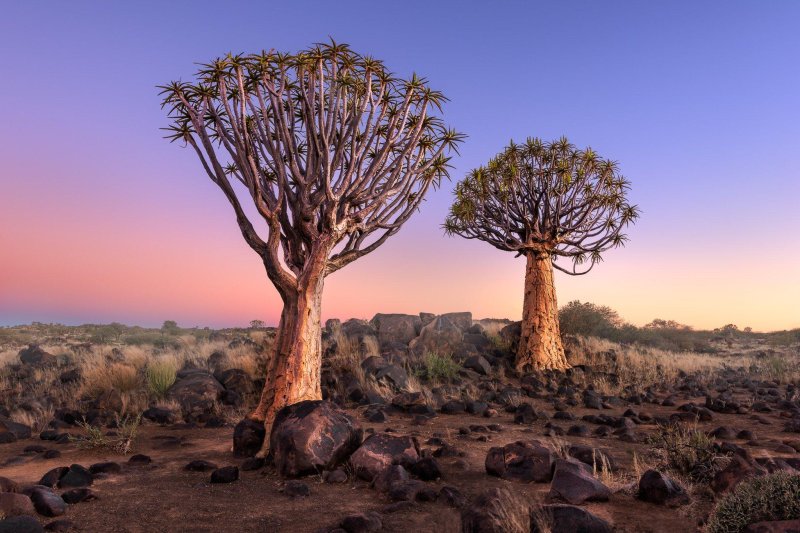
[(766, 498), (686, 451), (123, 377), (439, 368), (160, 376), (588, 319)]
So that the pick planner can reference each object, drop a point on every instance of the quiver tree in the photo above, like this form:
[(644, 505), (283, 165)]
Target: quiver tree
[(554, 204), (333, 152)]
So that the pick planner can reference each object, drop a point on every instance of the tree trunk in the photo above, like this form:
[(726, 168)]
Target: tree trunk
[(293, 372), (540, 345)]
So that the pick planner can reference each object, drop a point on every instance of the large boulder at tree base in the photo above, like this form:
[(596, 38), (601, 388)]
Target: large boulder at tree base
[(521, 461), (248, 437), (311, 436), (380, 451), (396, 327), (497, 510)]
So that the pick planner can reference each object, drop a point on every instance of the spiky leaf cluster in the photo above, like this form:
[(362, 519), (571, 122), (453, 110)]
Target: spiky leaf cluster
[(334, 151), (545, 198)]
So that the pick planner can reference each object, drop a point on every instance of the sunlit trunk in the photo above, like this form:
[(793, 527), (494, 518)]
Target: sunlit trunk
[(540, 345), (293, 373)]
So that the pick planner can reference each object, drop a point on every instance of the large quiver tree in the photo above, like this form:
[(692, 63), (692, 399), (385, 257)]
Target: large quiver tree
[(548, 202), (334, 154)]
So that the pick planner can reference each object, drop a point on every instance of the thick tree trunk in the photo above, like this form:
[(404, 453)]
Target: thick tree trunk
[(540, 345), (293, 373)]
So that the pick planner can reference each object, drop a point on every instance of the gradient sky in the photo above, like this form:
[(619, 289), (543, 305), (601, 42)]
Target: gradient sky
[(102, 220)]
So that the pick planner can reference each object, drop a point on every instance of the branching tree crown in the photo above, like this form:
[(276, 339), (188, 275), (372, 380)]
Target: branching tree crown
[(334, 151), (545, 198)]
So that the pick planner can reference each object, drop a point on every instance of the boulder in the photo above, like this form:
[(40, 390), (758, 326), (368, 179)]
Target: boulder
[(19, 431), (248, 436), (382, 450), (395, 375), (47, 502), (521, 461), (74, 496), (237, 380), (311, 436), (13, 504), (396, 327), (558, 518), (655, 487), (197, 392), (739, 469), (20, 524), (226, 474), (442, 335), (479, 364), (8, 485), (76, 476), (497, 510), (574, 484), (362, 523), (34, 355)]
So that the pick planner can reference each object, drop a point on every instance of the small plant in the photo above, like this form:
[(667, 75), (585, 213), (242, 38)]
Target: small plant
[(120, 442), (440, 368), (161, 376), (767, 498), (686, 451), (123, 377)]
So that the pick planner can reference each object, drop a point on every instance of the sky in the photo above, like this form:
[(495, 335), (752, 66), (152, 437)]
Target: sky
[(102, 220)]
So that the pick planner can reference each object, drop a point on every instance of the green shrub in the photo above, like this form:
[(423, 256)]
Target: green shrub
[(161, 376), (772, 497), (439, 367), (686, 451)]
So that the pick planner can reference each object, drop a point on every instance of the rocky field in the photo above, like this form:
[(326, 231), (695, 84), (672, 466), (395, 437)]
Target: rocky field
[(423, 427)]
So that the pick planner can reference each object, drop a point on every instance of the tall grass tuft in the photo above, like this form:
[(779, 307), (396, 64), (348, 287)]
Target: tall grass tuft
[(161, 376)]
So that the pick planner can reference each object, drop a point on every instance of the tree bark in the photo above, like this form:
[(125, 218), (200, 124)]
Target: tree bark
[(293, 372), (540, 345)]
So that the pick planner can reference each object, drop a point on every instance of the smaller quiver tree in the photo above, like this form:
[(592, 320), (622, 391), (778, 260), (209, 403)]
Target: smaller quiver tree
[(553, 204)]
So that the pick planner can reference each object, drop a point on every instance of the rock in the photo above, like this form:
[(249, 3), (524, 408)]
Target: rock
[(226, 474), (200, 466), (74, 496), (295, 488), (409, 490), (252, 463), (592, 457), (108, 467), (558, 518), (739, 469), (62, 524), (524, 414), (139, 459), (311, 436), (19, 431), (497, 510), (20, 524), (452, 497), (477, 408), (453, 407), (248, 437), (380, 451), (13, 504), (426, 469), (574, 484), (47, 502), (390, 476), (410, 401), (51, 477), (159, 415), (34, 355), (655, 487), (196, 392), (521, 461), (8, 485), (236, 380), (76, 476), (393, 374), (335, 476), (442, 335), (362, 523), (479, 364), (396, 327)]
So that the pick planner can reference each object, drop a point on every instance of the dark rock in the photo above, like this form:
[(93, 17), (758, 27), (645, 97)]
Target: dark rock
[(196, 392), (235, 380), (139, 459), (479, 364), (574, 484), (51, 477), (655, 487), (62, 524), (452, 497), (19, 431), (396, 327), (13, 504), (524, 414), (409, 491), (362, 523), (248, 437), (20, 524), (592, 457), (426, 469), (335, 476), (252, 463), (200, 466), (521, 461), (390, 476), (453, 407), (477, 407), (226, 474), (108, 467), (559, 518), (159, 415), (33, 355), (74, 496), (739, 469), (380, 451), (76, 476), (497, 510), (311, 436), (8, 485), (394, 375), (47, 502), (295, 488)]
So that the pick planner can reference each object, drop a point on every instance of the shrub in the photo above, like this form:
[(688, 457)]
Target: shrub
[(686, 451), (160, 376), (766, 498), (123, 377), (121, 441), (588, 319), (439, 367)]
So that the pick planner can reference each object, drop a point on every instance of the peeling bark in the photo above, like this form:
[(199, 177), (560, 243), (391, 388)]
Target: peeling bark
[(293, 373), (540, 345)]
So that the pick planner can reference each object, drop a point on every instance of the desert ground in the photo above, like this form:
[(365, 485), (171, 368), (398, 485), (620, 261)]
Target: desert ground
[(111, 428)]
